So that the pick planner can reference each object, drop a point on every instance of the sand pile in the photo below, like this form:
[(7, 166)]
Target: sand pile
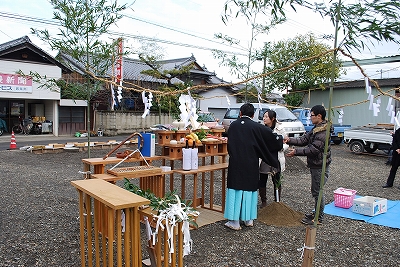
[(279, 214)]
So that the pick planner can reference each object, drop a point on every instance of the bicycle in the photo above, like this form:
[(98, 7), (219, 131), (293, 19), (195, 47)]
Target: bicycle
[(24, 128), (3, 127)]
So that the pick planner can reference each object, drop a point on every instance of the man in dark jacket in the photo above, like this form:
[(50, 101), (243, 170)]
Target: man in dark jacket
[(395, 162), (312, 145), (247, 142)]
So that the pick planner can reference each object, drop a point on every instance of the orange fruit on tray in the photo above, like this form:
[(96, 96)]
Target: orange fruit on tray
[(190, 141)]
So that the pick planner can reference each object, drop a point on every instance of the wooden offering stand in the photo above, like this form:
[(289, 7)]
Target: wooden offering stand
[(109, 201), (164, 137), (123, 142)]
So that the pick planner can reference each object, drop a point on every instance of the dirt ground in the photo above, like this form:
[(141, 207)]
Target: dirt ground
[(39, 223)]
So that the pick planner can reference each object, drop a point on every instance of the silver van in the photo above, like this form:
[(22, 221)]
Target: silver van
[(293, 126)]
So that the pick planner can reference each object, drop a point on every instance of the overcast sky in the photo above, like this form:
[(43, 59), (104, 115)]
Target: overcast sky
[(190, 25)]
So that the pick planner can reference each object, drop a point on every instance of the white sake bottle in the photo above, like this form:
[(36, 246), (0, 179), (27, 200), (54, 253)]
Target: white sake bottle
[(187, 157), (195, 157)]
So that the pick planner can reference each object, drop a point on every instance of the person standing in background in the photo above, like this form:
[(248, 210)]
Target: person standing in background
[(313, 145), (390, 153), (396, 102), (395, 162), (247, 142), (270, 120)]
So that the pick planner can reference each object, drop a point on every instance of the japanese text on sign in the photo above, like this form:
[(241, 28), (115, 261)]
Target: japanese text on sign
[(15, 83)]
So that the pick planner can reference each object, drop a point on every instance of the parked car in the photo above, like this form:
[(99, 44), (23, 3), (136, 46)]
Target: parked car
[(338, 130), (293, 127)]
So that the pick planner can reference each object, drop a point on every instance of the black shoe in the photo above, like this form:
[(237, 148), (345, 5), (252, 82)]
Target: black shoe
[(388, 163), (398, 187), (310, 221), (309, 216), (387, 186)]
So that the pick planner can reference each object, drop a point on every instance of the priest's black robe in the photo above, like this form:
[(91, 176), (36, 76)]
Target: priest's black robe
[(247, 142)]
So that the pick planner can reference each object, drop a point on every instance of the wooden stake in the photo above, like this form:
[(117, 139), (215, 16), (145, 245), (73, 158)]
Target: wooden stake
[(309, 247)]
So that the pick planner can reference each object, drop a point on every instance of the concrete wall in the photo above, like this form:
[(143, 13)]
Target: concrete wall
[(215, 98), (356, 109), (115, 123), (215, 101)]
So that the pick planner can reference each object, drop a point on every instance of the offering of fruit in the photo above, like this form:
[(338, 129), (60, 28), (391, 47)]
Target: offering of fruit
[(190, 142), (192, 136)]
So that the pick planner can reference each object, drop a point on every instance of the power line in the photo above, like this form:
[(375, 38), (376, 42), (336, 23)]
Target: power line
[(54, 23), (182, 32), (5, 34), (27, 18), (156, 40)]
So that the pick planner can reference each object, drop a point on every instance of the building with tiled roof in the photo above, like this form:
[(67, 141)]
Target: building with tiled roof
[(22, 97), (133, 74), (23, 49)]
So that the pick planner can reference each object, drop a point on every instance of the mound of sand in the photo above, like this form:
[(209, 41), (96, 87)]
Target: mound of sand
[(279, 214)]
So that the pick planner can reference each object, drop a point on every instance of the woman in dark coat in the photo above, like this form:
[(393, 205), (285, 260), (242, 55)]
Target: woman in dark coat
[(247, 142)]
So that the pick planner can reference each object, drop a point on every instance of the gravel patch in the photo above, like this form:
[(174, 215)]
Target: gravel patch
[(39, 223)]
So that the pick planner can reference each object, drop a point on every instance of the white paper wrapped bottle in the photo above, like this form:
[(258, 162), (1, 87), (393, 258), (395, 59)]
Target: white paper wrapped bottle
[(195, 157), (187, 158)]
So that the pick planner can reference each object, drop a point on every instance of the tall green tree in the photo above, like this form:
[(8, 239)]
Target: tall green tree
[(305, 75), (83, 24)]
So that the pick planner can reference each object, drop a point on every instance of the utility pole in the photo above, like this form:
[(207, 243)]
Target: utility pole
[(264, 67), (263, 57)]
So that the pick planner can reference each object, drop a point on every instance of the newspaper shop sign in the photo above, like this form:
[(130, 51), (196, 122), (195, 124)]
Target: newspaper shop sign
[(15, 84)]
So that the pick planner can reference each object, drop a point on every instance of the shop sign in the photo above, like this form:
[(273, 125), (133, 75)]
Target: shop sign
[(15, 83)]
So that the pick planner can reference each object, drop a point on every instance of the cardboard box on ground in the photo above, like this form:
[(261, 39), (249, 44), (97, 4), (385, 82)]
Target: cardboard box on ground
[(369, 205)]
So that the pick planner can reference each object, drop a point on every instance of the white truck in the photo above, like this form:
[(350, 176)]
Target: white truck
[(369, 138), (292, 125)]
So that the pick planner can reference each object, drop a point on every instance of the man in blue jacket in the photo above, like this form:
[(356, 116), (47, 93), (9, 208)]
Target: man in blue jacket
[(247, 142)]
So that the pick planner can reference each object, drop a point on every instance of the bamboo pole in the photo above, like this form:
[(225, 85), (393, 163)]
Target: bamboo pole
[(309, 246), (311, 232)]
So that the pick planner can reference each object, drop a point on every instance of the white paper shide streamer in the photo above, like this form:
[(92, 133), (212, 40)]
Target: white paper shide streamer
[(308, 119), (228, 101), (340, 118), (397, 123), (389, 105), (187, 108), (168, 219), (147, 103), (367, 86), (371, 102), (392, 117)]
